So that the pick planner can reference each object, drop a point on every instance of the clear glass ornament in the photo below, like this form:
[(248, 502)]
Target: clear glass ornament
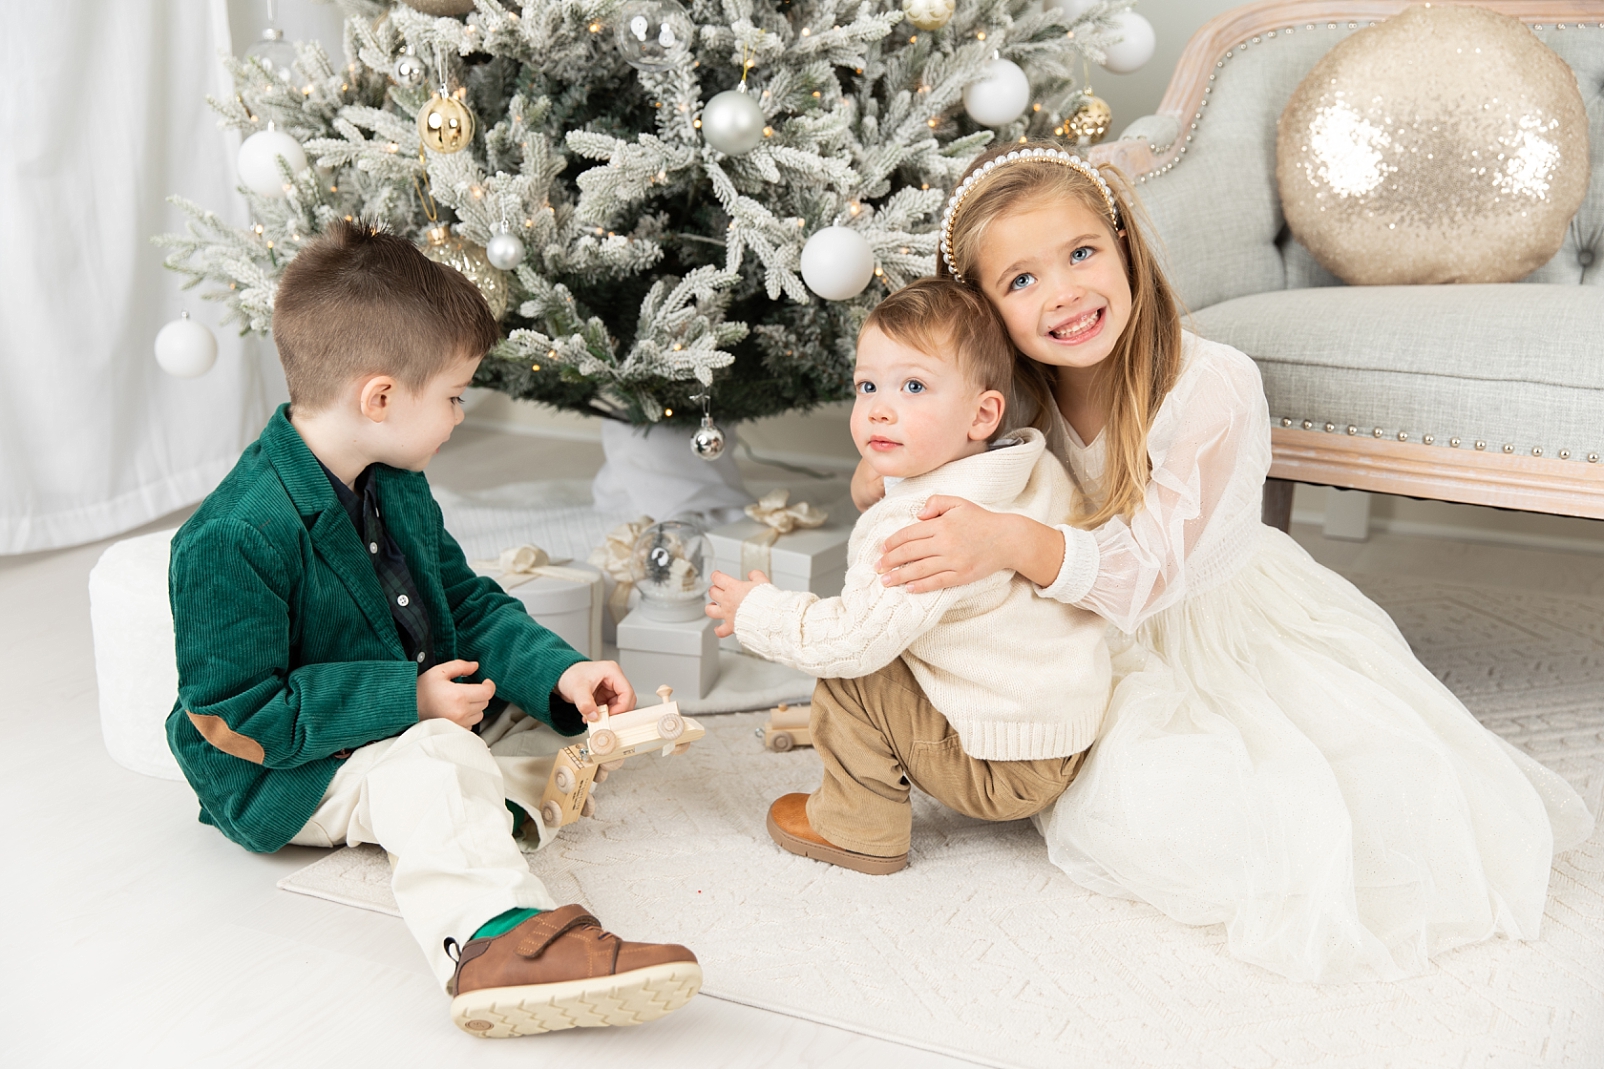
[(274, 53), (708, 441), (653, 35), (928, 14), (672, 565), (410, 71)]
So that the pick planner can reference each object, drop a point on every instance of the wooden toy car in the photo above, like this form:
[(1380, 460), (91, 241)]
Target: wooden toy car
[(787, 727), (577, 769)]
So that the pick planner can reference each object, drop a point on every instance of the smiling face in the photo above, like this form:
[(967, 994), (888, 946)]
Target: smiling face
[(1055, 272), (915, 412), (416, 425)]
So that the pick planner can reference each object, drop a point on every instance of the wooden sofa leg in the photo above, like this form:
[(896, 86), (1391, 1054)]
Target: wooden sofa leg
[(1278, 503)]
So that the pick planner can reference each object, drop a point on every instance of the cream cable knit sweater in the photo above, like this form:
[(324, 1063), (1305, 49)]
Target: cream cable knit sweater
[(1019, 677)]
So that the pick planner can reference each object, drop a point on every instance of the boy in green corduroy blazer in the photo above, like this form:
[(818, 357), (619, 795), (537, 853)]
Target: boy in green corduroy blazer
[(336, 652)]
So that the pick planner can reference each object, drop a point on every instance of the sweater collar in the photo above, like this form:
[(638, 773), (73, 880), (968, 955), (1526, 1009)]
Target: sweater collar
[(995, 477)]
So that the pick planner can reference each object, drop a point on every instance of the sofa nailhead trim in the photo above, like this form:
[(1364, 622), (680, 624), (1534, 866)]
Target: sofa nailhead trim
[(1480, 444), (1454, 442), (1508, 448), (1352, 429), (1376, 433), (1330, 427), (1429, 439), (1565, 454), (1592, 458)]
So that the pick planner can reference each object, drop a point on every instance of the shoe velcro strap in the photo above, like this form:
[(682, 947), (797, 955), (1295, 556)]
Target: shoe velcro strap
[(542, 930)]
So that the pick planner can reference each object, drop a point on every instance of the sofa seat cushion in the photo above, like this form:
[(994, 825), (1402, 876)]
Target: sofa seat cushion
[(1516, 365)]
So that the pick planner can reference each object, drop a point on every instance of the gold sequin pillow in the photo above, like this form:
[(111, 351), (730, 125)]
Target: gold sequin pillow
[(1447, 144)]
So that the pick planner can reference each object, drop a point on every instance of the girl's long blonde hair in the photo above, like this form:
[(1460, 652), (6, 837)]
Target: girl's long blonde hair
[(1141, 370)]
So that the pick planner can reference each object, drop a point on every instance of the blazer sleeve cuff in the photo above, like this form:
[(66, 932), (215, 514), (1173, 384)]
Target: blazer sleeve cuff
[(1078, 571)]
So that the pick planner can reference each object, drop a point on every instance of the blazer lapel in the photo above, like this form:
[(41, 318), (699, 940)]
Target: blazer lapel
[(336, 541), (333, 537)]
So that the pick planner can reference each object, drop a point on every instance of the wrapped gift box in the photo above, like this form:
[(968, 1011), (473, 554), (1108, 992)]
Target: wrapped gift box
[(813, 559), (682, 653), (561, 603)]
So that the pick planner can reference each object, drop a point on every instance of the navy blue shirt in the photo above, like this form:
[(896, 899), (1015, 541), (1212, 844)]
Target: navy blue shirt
[(411, 616)]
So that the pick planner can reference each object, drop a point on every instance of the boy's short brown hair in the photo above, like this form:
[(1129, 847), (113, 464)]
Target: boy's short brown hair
[(358, 301), (940, 317)]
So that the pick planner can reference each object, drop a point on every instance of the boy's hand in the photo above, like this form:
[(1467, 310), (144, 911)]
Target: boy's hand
[(590, 684), (439, 698), (726, 596)]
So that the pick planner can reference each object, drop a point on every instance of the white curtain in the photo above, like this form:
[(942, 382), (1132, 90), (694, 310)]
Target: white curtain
[(105, 116)]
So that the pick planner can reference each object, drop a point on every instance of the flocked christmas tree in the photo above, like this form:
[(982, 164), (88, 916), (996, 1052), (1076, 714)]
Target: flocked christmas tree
[(667, 190)]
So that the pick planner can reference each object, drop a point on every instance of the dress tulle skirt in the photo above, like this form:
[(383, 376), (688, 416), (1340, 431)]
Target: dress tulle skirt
[(1276, 760)]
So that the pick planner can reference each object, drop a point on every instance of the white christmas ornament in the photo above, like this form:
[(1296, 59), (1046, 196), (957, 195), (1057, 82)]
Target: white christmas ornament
[(837, 263), (505, 251), (928, 14), (185, 349), (733, 123), (258, 161), (1135, 46), (1000, 96)]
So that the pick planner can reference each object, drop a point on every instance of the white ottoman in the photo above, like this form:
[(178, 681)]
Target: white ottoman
[(134, 659)]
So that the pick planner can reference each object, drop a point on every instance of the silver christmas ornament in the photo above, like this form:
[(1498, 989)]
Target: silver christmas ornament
[(410, 71), (653, 35), (505, 251), (733, 123), (708, 441)]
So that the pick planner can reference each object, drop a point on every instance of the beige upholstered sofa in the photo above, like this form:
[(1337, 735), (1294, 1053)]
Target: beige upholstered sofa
[(1485, 394)]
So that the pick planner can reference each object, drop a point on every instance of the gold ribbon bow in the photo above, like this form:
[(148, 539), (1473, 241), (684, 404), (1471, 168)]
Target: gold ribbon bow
[(778, 518), (613, 557)]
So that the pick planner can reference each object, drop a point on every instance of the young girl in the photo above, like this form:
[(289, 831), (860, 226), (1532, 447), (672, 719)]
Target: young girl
[(1273, 758)]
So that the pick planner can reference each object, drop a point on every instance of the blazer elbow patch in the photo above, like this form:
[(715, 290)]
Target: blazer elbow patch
[(225, 738)]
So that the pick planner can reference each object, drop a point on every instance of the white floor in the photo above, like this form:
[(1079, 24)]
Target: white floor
[(136, 936)]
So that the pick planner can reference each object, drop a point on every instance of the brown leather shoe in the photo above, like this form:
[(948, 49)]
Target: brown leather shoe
[(788, 826), (561, 970)]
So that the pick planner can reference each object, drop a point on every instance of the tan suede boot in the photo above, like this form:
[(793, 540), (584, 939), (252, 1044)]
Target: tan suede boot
[(788, 825), (561, 970)]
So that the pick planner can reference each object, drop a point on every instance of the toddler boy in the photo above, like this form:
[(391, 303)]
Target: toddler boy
[(323, 617), (984, 696)]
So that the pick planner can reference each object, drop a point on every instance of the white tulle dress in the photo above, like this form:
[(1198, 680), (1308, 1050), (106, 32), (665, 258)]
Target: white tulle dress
[(1274, 758)]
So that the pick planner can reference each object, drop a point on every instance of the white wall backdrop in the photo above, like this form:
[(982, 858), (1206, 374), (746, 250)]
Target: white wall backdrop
[(106, 116)]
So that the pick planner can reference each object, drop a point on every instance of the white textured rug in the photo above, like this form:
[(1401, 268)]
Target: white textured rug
[(983, 950)]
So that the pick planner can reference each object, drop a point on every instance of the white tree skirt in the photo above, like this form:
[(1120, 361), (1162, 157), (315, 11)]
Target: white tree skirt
[(982, 949)]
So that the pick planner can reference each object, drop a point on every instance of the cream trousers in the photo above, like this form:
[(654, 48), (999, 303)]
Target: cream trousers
[(432, 797)]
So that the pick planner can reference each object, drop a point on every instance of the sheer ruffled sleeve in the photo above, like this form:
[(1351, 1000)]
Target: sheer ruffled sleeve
[(1210, 448)]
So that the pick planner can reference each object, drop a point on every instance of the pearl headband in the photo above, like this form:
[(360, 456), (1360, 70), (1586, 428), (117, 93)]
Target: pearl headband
[(1029, 155)]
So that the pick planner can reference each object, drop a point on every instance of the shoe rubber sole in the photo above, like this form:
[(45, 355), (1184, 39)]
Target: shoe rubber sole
[(633, 997), (847, 859)]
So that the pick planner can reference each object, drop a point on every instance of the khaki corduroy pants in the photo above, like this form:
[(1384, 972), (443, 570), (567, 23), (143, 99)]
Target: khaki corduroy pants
[(878, 734)]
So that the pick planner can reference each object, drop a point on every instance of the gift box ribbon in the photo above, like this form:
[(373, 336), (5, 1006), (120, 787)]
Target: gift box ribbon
[(778, 518), (522, 563), (613, 557)]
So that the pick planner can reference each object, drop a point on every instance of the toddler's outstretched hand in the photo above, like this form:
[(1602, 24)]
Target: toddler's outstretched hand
[(590, 684), (440, 698), (725, 599)]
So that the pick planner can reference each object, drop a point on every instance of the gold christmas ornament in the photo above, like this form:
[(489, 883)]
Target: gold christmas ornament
[(1090, 121), (445, 124), (928, 14), (444, 247), (1447, 144), (441, 8)]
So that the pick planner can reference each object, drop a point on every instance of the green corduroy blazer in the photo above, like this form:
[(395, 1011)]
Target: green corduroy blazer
[(287, 653)]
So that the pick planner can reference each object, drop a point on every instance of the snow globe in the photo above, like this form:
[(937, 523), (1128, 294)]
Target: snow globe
[(669, 639), (672, 566)]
